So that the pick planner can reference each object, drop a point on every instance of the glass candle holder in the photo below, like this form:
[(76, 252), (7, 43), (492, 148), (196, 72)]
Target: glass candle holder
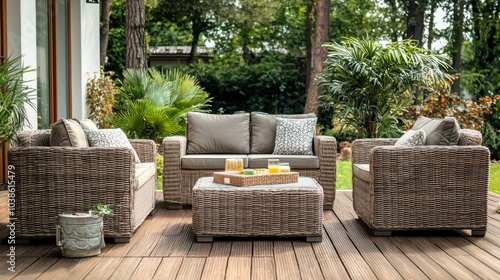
[(234, 165), (284, 167), (273, 165)]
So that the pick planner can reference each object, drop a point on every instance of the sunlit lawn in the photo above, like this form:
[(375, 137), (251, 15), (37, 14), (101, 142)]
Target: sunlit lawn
[(344, 176)]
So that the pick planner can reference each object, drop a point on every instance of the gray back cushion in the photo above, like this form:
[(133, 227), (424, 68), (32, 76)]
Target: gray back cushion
[(67, 132), (217, 134), (438, 131), (263, 130)]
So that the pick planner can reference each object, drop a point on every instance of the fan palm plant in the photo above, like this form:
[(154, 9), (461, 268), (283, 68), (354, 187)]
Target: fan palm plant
[(14, 96), (153, 103), (369, 85)]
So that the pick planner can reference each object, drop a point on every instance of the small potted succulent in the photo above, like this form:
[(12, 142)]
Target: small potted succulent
[(81, 234)]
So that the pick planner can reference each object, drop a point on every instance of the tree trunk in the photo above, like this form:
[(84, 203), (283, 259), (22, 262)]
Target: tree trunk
[(194, 47), (104, 31), (319, 53), (415, 21), (309, 40), (430, 39), (458, 35), (136, 37)]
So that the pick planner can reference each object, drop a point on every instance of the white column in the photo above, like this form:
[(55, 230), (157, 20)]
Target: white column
[(21, 40), (84, 52)]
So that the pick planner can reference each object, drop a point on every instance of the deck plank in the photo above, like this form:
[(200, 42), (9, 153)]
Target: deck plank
[(168, 268), (126, 268), (263, 268), (215, 268), (239, 268), (146, 268), (191, 269), (104, 268), (308, 264), (287, 267), (263, 248)]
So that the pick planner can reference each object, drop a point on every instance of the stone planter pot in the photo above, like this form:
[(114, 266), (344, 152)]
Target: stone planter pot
[(79, 235)]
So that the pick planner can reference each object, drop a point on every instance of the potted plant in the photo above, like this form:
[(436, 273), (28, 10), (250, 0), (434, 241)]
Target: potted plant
[(81, 234)]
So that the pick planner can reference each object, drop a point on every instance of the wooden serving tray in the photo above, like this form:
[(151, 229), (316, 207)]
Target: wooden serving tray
[(253, 180)]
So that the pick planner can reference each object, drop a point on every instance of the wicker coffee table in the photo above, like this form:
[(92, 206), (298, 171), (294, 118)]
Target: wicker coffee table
[(292, 209)]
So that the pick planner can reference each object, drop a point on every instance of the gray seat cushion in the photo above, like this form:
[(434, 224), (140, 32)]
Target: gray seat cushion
[(295, 161), (209, 161), (217, 134), (263, 129), (143, 172), (361, 171)]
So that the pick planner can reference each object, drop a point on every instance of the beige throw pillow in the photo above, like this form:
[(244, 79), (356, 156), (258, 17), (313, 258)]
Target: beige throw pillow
[(66, 132), (439, 131)]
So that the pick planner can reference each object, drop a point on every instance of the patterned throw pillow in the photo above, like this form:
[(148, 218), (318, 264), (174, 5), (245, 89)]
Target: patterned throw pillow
[(294, 136), (110, 138), (411, 138)]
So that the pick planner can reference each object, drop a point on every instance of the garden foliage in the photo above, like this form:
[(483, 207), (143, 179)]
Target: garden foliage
[(100, 99)]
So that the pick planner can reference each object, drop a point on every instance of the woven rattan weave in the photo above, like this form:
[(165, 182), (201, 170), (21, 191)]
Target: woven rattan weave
[(294, 209)]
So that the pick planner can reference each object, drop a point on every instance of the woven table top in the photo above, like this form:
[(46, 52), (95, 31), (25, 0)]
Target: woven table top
[(304, 183)]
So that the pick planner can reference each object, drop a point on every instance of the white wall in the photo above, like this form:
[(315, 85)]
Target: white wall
[(21, 40), (84, 51)]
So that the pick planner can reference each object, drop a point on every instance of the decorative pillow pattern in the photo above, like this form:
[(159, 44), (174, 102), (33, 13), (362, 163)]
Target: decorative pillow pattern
[(438, 131), (218, 134), (33, 138), (66, 132), (411, 138), (263, 130), (110, 138), (294, 136), (470, 137)]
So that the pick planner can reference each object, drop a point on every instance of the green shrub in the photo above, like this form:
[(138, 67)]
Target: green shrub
[(273, 84), (491, 139), (100, 99)]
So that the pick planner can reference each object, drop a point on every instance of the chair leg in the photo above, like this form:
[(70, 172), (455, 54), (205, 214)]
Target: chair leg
[(204, 239), (382, 232), (314, 238), (478, 232)]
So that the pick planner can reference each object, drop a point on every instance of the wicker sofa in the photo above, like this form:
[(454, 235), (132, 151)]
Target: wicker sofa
[(50, 180), (421, 187), (210, 139)]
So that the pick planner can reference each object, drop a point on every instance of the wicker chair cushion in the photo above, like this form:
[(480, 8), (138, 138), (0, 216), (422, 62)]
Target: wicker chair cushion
[(263, 128), (87, 124), (438, 131), (143, 172), (295, 161), (209, 161), (411, 138), (469, 137), (294, 136), (218, 134), (361, 171), (110, 138), (67, 132)]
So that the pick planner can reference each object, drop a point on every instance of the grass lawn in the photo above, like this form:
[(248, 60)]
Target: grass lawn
[(344, 176)]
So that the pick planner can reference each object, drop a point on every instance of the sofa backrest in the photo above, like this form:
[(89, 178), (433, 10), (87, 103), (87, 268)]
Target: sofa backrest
[(217, 134), (263, 130)]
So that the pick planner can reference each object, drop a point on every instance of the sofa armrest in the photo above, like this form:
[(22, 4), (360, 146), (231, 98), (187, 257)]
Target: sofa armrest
[(325, 148), (174, 148), (54, 180), (145, 148), (361, 148)]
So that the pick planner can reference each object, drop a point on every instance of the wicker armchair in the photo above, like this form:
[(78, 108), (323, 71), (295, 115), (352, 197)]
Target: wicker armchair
[(422, 187), (53, 180)]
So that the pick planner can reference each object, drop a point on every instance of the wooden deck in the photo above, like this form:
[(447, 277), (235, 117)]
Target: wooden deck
[(164, 248)]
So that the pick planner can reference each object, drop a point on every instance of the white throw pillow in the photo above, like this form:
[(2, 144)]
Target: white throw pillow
[(411, 138), (110, 138), (294, 136)]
